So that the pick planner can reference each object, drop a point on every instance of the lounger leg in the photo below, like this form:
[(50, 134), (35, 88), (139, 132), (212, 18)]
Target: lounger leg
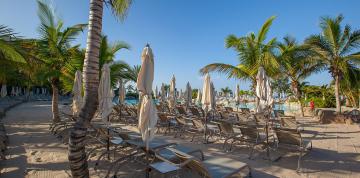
[(225, 142), (299, 161), (251, 151)]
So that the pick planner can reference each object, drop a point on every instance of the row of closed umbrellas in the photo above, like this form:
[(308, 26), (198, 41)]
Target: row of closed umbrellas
[(147, 110)]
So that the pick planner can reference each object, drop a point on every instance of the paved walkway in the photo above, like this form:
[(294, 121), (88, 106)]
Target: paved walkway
[(33, 151)]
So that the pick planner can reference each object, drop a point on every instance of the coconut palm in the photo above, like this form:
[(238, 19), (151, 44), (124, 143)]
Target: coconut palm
[(54, 49), (226, 91), (253, 52), (77, 155), (118, 69), (297, 63), (335, 46)]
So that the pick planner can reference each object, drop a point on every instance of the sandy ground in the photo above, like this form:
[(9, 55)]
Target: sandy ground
[(34, 152)]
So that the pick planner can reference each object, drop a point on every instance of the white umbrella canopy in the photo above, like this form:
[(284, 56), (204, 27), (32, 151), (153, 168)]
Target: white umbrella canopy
[(179, 94), (12, 91), (105, 94), (188, 95), (147, 113), (263, 91), (207, 98), (156, 92), (77, 94), (198, 98), (163, 93), (172, 95), (237, 95), (122, 92), (213, 95), (3, 90)]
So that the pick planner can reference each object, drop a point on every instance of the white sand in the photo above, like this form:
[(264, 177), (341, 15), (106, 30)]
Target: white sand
[(33, 151)]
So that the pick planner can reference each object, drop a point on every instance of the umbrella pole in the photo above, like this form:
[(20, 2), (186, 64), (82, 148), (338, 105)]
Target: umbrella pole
[(108, 140), (205, 130), (147, 171)]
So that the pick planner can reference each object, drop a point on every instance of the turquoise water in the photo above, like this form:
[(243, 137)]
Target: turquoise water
[(285, 107)]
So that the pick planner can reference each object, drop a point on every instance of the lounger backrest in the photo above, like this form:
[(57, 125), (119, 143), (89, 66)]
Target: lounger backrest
[(195, 166), (288, 136), (194, 111), (162, 118), (245, 110), (229, 109), (159, 108), (180, 120), (289, 122), (279, 113), (226, 127), (260, 117), (198, 124), (250, 132), (181, 110)]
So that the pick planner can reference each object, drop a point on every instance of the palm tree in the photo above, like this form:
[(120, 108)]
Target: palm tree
[(324, 89), (54, 49), (335, 47), (226, 91), (118, 69), (253, 52), (297, 63), (77, 155)]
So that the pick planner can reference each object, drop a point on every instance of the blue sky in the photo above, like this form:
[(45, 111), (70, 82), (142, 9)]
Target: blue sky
[(187, 34)]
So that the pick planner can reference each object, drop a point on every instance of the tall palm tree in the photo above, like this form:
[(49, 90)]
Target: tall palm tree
[(335, 47), (77, 155), (54, 49), (297, 63), (118, 69), (253, 52), (226, 91)]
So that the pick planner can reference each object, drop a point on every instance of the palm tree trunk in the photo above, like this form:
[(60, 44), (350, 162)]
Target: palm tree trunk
[(337, 94), (77, 154), (55, 100)]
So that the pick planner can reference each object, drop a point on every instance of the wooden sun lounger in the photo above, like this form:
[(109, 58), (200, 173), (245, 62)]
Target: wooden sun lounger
[(217, 167)]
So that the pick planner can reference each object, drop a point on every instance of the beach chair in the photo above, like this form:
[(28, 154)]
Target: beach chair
[(253, 137), (181, 110), (165, 123), (217, 167), (291, 139), (290, 122), (199, 129), (226, 131)]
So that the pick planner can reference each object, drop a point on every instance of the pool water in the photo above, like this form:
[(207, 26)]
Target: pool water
[(285, 107)]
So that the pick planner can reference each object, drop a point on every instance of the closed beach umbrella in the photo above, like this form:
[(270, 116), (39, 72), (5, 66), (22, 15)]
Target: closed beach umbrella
[(3, 90), (188, 95), (12, 91), (105, 94), (163, 93), (213, 96), (77, 94), (198, 98), (180, 95), (156, 92), (206, 99), (147, 113), (263, 91), (172, 95), (122, 92), (237, 95)]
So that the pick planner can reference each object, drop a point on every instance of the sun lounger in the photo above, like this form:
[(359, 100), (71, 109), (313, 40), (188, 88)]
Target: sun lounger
[(291, 139), (217, 167)]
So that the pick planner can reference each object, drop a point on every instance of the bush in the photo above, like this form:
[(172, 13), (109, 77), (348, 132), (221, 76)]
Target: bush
[(329, 102)]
